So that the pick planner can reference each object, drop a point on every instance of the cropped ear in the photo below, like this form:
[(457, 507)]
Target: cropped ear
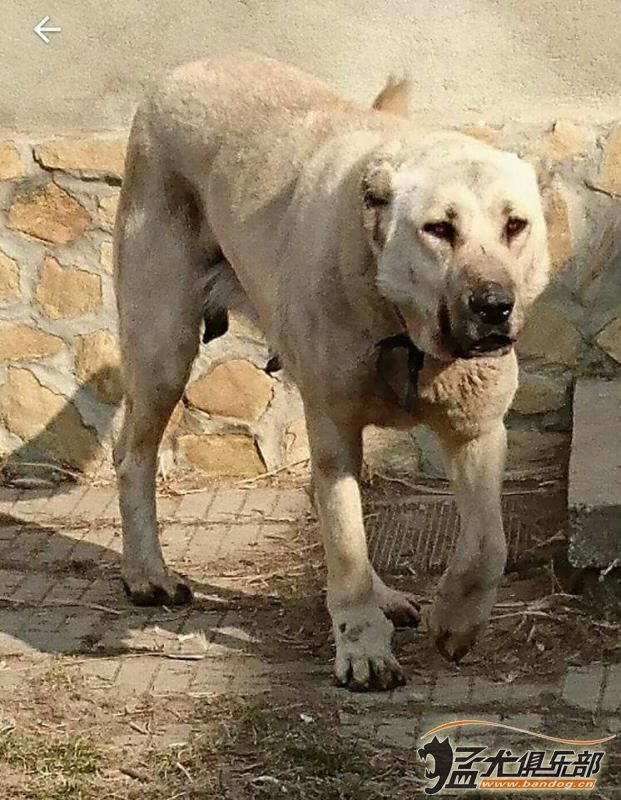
[(546, 176), (377, 194), (394, 97)]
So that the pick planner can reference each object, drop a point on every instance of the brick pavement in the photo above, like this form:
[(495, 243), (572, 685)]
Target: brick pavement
[(61, 598)]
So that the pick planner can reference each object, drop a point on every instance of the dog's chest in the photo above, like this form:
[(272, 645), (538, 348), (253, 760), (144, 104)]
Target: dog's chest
[(411, 389)]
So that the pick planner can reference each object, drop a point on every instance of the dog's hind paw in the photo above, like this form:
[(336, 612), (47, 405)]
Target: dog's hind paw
[(401, 608), (168, 592)]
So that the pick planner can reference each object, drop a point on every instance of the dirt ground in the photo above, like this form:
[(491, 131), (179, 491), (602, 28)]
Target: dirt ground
[(277, 727)]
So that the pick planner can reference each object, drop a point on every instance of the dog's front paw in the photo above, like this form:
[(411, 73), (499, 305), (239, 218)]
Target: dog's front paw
[(159, 587), (459, 614), (364, 660)]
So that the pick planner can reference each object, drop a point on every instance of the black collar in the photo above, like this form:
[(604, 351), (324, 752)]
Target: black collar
[(391, 372)]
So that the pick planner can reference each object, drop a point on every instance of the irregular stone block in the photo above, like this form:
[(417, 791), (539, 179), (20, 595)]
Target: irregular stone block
[(564, 141), (538, 393), (97, 365), (536, 449), (610, 173), (49, 213), (549, 335), (65, 292), (223, 455), (107, 209), (9, 278), (559, 231), (296, 442), (105, 257), (89, 156), (610, 339), (47, 421), (233, 389), (11, 166), (24, 343)]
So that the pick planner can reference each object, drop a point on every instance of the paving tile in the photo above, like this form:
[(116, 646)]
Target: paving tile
[(34, 588), (112, 512), (453, 690), (229, 638), (240, 539), (261, 501), (167, 507), (227, 505), (173, 677), (485, 692), (32, 503), (63, 502), (136, 675), (195, 506), (292, 502), (583, 686), (398, 732), (210, 677), (176, 538), (12, 644), (9, 533), (93, 503), (250, 676), (9, 581), (612, 695), (8, 498), (98, 669)]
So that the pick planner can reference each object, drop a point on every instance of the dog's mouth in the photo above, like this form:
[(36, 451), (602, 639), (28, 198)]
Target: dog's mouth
[(491, 344), (494, 344)]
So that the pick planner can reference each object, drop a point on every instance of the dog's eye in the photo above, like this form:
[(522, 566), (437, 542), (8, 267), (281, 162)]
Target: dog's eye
[(441, 230), (515, 226)]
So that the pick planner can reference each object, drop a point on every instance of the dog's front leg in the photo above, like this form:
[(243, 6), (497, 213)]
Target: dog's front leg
[(363, 634), (467, 590)]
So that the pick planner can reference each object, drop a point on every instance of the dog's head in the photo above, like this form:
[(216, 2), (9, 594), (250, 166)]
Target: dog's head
[(460, 241)]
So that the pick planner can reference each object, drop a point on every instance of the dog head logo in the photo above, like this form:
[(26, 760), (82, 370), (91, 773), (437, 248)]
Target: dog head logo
[(442, 755)]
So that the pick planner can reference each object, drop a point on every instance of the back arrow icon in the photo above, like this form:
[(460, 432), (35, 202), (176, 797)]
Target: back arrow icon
[(41, 30)]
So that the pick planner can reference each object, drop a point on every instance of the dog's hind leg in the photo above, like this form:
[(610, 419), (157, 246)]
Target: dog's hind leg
[(159, 277)]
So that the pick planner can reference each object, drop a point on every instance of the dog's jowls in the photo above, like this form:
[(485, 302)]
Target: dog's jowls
[(337, 227)]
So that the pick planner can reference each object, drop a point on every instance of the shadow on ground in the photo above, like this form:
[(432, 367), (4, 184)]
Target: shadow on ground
[(61, 592)]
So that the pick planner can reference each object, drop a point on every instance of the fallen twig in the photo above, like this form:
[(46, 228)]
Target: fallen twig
[(61, 604), (55, 467), (415, 486), (525, 613), (134, 773), (285, 468)]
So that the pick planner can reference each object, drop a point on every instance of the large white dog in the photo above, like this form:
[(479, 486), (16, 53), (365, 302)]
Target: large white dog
[(390, 268)]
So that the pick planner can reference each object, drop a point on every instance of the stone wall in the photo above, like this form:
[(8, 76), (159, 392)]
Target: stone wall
[(59, 381)]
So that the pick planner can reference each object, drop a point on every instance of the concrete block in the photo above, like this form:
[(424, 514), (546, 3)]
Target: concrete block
[(594, 494)]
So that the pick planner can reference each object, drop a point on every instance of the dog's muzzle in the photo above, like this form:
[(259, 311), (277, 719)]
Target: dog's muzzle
[(484, 324)]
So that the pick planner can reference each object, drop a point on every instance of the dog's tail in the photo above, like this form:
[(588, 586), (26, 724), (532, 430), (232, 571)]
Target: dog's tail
[(394, 97)]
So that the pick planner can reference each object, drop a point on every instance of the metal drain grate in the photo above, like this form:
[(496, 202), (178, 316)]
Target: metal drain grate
[(419, 533)]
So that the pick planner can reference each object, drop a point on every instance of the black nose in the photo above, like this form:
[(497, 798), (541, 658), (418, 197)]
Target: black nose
[(492, 303)]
